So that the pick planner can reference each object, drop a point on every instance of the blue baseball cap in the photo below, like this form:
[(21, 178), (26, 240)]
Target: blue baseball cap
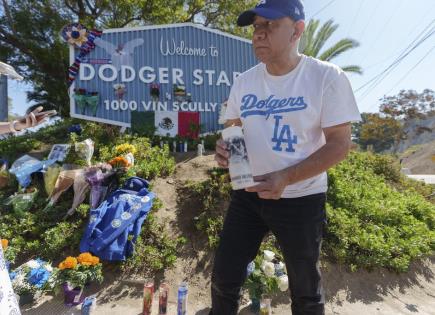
[(273, 10)]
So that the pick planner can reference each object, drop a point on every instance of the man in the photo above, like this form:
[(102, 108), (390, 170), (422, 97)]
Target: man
[(296, 113)]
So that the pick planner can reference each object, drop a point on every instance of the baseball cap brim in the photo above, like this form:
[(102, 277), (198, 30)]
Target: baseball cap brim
[(247, 17)]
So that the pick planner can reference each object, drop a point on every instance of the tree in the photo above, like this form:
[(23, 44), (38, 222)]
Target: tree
[(315, 37), (409, 104), (378, 131), (30, 42)]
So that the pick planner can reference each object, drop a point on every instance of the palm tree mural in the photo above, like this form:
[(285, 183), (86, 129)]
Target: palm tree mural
[(316, 36)]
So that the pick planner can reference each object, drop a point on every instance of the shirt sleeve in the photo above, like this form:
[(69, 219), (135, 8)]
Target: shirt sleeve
[(233, 107), (339, 104)]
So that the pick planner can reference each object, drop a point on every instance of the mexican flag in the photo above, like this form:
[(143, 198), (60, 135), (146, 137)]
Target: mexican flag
[(183, 124)]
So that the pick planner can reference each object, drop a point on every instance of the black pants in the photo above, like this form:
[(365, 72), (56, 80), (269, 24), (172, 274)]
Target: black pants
[(297, 224)]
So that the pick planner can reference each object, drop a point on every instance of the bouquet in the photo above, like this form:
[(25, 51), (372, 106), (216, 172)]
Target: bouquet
[(35, 276), (85, 150), (99, 177), (22, 202), (266, 275), (127, 151), (79, 271)]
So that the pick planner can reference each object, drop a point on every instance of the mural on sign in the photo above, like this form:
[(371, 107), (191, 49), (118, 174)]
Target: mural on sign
[(161, 69), (121, 55)]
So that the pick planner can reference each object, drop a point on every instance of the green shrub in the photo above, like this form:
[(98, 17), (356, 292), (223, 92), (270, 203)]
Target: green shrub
[(150, 162), (14, 147), (44, 232), (154, 249), (63, 235), (371, 224), (374, 218), (212, 196)]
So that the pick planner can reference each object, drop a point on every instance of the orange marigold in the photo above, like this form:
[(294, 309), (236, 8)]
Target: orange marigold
[(68, 263), (5, 243), (84, 258), (119, 161), (95, 260)]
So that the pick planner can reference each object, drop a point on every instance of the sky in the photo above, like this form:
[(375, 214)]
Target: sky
[(384, 29)]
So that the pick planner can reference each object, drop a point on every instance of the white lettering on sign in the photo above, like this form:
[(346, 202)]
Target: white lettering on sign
[(171, 48), (90, 69), (125, 71), (123, 105), (197, 74), (102, 75), (151, 77), (147, 75)]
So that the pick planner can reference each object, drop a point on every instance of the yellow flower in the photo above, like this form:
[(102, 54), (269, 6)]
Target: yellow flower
[(68, 263), (5, 243), (125, 148)]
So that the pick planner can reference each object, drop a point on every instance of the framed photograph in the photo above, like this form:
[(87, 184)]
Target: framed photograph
[(59, 152)]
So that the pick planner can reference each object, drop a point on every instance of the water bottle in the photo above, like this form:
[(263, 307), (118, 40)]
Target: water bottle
[(182, 299)]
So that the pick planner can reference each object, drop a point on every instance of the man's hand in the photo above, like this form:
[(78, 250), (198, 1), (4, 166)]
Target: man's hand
[(222, 155), (271, 185)]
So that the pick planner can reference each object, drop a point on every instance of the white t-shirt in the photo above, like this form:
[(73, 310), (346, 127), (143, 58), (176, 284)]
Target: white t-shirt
[(283, 116)]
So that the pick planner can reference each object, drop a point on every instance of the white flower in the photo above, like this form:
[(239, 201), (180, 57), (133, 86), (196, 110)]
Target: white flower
[(48, 268), (32, 264), (268, 268), (130, 158), (281, 265), (279, 269), (283, 283), (268, 255)]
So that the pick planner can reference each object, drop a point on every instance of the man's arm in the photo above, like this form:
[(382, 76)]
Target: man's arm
[(338, 143)]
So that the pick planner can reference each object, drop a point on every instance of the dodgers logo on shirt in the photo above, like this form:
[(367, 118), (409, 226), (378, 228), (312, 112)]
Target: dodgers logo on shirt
[(251, 105), (283, 135)]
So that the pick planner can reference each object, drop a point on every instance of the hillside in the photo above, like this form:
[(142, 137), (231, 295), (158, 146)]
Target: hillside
[(377, 254), (357, 293), (417, 132), (419, 158)]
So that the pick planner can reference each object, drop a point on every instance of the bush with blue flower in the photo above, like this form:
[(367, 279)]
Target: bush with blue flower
[(34, 276)]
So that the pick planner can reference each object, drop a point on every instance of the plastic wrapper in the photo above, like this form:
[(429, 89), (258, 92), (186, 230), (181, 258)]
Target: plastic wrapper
[(25, 166), (50, 177), (99, 178), (22, 202), (85, 150), (67, 179)]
